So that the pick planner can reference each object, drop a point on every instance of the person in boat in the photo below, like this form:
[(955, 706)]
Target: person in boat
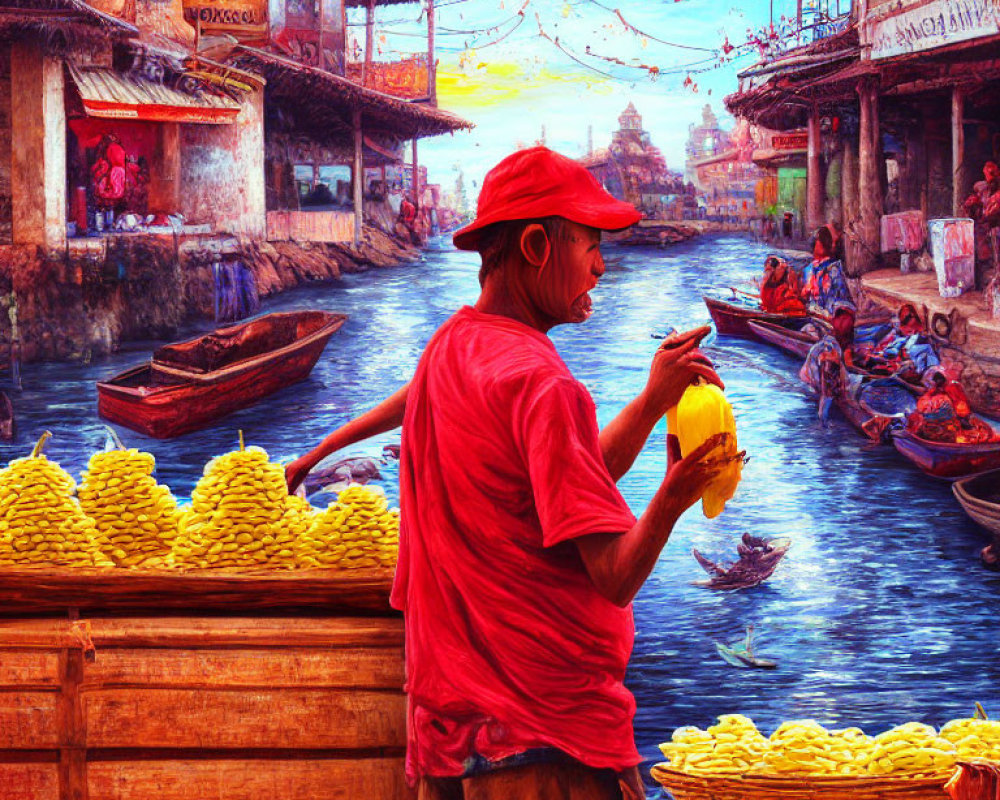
[(983, 205), (779, 289), (824, 283), (836, 347), (518, 557), (944, 414), (903, 350)]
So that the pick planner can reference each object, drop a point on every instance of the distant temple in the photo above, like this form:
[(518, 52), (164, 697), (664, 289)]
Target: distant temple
[(634, 170)]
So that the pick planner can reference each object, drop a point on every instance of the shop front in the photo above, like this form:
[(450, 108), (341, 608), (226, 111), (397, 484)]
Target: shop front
[(145, 156)]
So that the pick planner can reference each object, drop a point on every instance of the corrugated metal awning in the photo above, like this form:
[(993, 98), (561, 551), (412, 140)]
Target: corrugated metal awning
[(111, 95)]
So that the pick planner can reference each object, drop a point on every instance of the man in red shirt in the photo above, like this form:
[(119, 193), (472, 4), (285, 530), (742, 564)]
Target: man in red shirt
[(518, 557)]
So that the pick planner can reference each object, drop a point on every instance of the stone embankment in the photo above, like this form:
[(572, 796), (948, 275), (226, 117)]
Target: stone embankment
[(86, 300)]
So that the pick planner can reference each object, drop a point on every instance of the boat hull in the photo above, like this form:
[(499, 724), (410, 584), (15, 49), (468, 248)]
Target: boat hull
[(946, 460), (733, 319), (980, 510), (165, 410), (792, 341)]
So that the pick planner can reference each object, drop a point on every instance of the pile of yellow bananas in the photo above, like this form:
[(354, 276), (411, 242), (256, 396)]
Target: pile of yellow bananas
[(359, 530), (240, 516), (804, 747), (236, 512), (132, 511), (731, 747), (912, 748), (973, 737), (40, 521)]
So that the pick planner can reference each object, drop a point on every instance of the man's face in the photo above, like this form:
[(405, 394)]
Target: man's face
[(990, 172), (562, 287)]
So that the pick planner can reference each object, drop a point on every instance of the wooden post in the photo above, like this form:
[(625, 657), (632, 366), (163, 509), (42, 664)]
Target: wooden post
[(322, 55), (369, 41), (72, 727), (849, 203), (416, 177), (359, 177), (814, 174), (431, 76), (869, 177), (37, 147), (957, 151)]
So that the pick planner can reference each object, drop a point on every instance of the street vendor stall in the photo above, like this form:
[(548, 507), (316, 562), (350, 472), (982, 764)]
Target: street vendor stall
[(241, 647)]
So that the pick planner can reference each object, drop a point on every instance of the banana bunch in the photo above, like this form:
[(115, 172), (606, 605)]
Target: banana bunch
[(40, 520), (359, 530), (853, 748), (296, 520), (702, 412), (973, 738), (730, 747), (236, 513), (132, 511), (912, 749), (802, 747), (691, 749)]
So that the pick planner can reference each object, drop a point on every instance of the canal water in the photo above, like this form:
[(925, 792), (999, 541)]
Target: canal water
[(879, 614)]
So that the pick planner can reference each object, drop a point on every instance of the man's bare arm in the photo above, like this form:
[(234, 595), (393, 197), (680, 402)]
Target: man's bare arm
[(386, 416), (619, 563)]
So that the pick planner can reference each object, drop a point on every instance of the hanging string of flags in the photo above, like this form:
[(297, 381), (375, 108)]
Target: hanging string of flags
[(767, 42)]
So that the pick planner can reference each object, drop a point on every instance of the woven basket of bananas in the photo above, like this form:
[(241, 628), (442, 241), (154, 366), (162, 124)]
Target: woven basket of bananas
[(802, 759), (685, 786)]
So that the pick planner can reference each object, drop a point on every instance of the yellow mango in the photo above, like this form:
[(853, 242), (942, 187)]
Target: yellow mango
[(702, 412)]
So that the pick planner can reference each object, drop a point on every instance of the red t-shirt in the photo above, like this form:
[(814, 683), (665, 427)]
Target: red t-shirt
[(509, 646)]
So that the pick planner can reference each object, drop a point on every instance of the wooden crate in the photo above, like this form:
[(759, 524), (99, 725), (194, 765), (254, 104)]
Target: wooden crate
[(234, 698)]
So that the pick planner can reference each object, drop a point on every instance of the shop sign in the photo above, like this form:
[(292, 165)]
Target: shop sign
[(241, 18), (936, 24), (790, 141), (404, 78)]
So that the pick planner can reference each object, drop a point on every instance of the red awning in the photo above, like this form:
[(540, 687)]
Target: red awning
[(111, 95)]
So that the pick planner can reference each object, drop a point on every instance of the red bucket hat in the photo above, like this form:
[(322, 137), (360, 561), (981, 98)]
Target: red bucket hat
[(538, 182)]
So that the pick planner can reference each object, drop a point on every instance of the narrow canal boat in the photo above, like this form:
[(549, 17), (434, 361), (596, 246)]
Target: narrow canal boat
[(189, 385), (732, 317), (877, 405), (795, 337), (979, 495), (947, 460)]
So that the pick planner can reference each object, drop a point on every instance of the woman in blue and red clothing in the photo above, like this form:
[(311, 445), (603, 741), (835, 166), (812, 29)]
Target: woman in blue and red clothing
[(518, 557), (779, 290), (824, 283)]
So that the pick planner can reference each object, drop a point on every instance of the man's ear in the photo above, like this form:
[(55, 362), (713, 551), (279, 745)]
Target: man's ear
[(535, 245)]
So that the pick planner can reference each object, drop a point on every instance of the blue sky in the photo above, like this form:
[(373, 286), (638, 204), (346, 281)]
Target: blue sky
[(511, 87)]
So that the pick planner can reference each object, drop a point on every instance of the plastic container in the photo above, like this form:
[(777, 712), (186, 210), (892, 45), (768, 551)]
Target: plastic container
[(953, 247)]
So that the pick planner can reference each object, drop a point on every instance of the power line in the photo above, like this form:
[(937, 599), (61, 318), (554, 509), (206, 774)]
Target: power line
[(636, 30)]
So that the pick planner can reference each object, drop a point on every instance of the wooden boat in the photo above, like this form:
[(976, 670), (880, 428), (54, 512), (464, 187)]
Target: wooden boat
[(979, 495), (7, 428), (189, 385), (732, 318), (947, 459), (877, 405), (788, 336)]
